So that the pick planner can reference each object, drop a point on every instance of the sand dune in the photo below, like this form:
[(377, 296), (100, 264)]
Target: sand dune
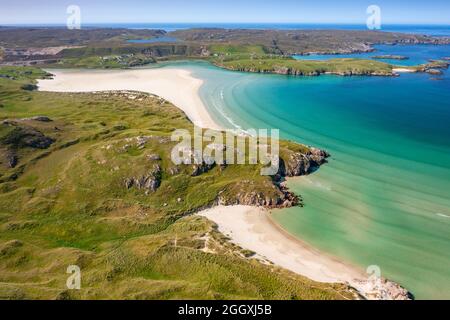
[(175, 85)]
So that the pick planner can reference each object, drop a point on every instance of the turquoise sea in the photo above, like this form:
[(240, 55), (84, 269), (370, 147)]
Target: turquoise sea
[(384, 197)]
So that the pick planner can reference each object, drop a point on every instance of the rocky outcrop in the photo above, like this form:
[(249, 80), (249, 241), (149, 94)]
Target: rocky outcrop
[(299, 164), (435, 72), (434, 67), (25, 136), (11, 158), (382, 289), (149, 182), (284, 199), (29, 87), (313, 73), (38, 118), (199, 169), (295, 164)]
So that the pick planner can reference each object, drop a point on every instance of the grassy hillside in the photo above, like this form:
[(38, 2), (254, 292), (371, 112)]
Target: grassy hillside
[(65, 200), (288, 42), (224, 49), (304, 67), (41, 37)]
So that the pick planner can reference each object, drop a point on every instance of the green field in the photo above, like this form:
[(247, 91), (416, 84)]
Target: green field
[(67, 204), (307, 68), (236, 49)]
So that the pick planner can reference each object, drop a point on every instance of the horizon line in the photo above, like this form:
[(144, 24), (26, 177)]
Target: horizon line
[(225, 23)]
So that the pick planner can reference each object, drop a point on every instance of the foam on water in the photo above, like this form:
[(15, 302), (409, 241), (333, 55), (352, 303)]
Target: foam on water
[(380, 199)]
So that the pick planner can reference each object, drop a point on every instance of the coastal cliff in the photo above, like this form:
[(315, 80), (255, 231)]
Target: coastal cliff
[(272, 193)]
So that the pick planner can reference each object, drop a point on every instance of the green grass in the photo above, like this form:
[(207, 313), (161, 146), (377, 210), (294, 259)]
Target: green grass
[(107, 61), (119, 55), (68, 205), (224, 49), (303, 67)]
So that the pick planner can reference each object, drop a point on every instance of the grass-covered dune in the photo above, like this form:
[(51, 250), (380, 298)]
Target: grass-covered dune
[(291, 66), (65, 163)]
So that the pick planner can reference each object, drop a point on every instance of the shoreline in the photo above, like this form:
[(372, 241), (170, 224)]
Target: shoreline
[(253, 228), (177, 86)]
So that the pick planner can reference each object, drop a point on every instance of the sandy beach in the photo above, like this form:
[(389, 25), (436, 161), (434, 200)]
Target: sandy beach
[(253, 229), (249, 227), (403, 70), (175, 85)]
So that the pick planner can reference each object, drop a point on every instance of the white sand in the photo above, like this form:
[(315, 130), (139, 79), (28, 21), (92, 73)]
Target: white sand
[(252, 228), (249, 227), (403, 70), (177, 86)]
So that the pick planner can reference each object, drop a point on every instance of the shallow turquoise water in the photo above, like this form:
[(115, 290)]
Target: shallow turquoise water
[(384, 197)]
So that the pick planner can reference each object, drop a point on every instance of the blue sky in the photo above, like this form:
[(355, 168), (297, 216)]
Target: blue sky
[(221, 11)]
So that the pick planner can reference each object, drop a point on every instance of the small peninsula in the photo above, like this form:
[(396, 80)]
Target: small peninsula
[(390, 57)]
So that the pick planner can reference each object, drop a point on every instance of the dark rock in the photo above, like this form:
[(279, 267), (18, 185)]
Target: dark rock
[(199, 169), (284, 199), (24, 136), (129, 182), (10, 247), (436, 72), (300, 164), (29, 87), (154, 157), (42, 119), (63, 295), (12, 159), (38, 118), (150, 182), (297, 164)]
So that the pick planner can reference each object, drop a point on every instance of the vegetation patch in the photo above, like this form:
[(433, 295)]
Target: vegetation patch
[(69, 204)]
